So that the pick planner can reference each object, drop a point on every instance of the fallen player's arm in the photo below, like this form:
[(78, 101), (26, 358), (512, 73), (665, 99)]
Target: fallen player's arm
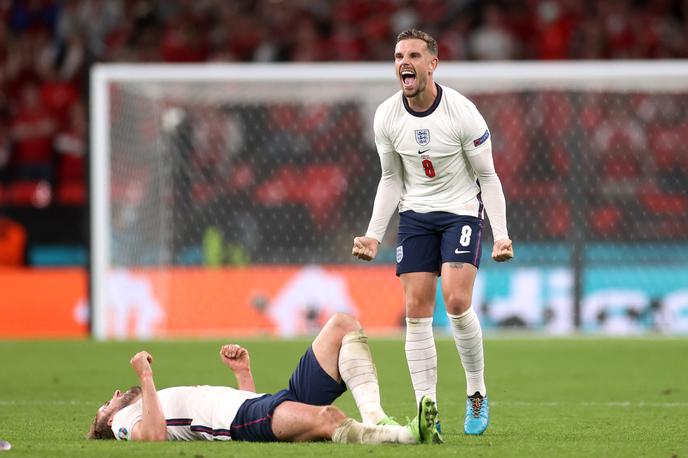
[(245, 381), (152, 426), (237, 358)]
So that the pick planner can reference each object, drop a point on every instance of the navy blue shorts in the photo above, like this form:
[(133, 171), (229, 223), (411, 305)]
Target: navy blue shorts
[(426, 240), (309, 384)]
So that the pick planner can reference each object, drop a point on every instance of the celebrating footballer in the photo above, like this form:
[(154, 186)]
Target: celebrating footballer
[(437, 169)]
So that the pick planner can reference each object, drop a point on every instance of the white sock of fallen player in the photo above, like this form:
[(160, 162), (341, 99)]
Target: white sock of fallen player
[(358, 372), (353, 432)]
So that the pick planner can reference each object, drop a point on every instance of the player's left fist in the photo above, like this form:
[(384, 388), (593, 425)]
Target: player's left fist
[(503, 250), (235, 356), (141, 362)]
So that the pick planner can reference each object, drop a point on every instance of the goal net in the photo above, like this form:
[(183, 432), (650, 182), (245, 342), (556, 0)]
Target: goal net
[(225, 197)]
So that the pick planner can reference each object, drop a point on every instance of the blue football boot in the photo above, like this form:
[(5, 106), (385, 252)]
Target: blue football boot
[(477, 414)]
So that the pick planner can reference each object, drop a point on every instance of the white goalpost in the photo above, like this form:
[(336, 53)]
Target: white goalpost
[(224, 197)]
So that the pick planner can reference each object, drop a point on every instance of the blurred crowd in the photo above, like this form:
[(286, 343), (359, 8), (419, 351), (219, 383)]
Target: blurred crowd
[(290, 182), (612, 163), (47, 47)]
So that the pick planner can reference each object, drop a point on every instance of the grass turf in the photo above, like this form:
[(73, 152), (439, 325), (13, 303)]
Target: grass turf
[(549, 397)]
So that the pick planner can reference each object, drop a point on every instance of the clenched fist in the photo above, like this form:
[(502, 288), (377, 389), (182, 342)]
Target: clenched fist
[(141, 362), (503, 250), (365, 248), (235, 357)]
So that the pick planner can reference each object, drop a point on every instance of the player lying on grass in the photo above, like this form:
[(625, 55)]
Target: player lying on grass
[(338, 358)]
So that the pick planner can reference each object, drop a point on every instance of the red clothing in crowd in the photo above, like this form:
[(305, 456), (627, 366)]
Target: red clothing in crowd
[(32, 131)]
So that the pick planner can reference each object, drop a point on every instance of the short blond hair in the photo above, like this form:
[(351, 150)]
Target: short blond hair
[(420, 35), (100, 429)]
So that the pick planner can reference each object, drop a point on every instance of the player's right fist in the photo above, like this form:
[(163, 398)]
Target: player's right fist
[(365, 248), (141, 362), (503, 250), (235, 357)]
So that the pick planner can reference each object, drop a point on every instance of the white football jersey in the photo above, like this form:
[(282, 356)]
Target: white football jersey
[(434, 146), (192, 412)]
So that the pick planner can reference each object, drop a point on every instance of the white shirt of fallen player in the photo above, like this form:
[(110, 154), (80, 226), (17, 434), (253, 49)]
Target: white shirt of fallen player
[(433, 161), (191, 412)]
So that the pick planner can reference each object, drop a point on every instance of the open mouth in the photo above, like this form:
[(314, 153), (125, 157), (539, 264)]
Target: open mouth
[(408, 78)]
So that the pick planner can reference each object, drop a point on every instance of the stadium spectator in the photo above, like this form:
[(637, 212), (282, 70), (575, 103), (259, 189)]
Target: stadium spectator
[(70, 146), (339, 358), (58, 96), (554, 25), (309, 45), (32, 129), (620, 144), (493, 40), (183, 41)]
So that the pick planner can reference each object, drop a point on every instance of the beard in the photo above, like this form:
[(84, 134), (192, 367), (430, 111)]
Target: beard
[(130, 395), (420, 87)]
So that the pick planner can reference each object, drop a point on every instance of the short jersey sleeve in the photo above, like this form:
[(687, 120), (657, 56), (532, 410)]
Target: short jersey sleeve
[(475, 136), (124, 420)]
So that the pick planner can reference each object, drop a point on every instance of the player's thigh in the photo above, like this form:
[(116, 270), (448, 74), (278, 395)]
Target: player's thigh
[(297, 422), (461, 251), (328, 342), (457, 286), (420, 289)]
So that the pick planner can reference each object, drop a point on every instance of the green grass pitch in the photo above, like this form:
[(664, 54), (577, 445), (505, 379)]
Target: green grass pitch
[(550, 397)]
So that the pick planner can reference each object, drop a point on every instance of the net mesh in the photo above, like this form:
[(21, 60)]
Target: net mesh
[(216, 174)]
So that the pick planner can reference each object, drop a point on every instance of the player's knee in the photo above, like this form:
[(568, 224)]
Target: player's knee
[(416, 306), (330, 417), (457, 303), (344, 322)]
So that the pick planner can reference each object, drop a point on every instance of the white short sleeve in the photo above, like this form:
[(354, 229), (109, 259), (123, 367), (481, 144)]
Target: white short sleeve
[(124, 420), (475, 137)]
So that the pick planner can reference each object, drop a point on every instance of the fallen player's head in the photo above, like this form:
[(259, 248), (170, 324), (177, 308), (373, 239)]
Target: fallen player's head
[(101, 426)]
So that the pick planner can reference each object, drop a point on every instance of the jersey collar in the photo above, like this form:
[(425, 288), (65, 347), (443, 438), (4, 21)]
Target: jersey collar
[(429, 111)]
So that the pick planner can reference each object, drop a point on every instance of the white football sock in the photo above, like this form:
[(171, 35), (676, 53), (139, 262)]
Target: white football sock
[(421, 356), (358, 372), (468, 337), (353, 432)]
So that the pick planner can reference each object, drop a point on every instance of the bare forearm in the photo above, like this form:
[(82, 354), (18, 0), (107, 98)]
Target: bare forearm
[(245, 380), (238, 360), (153, 426)]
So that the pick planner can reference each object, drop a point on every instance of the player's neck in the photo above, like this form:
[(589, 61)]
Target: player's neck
[(423, 100)]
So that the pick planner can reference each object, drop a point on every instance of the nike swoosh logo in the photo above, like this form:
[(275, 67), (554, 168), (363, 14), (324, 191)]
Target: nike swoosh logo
[(424, 151), (460, 252)]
